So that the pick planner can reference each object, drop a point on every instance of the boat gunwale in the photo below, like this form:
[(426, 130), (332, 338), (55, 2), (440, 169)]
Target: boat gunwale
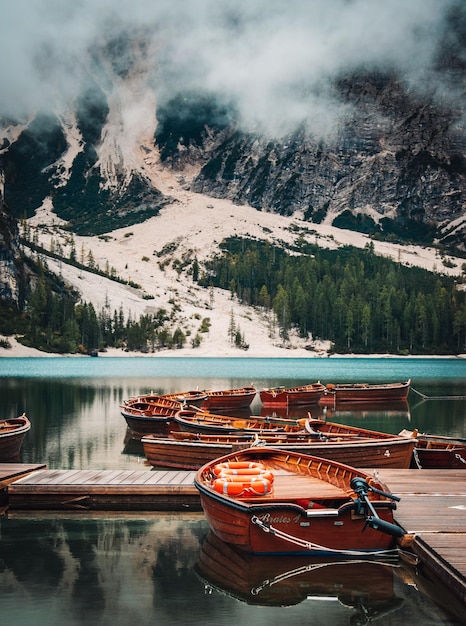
[(205, 474), (20, 430)]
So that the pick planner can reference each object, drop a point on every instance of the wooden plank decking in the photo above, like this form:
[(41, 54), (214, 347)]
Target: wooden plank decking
[(104, 490), (432, 506)]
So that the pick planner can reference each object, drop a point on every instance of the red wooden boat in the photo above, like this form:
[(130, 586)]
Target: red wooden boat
[(437, 452), (190, 420), (364, 587), (190, 451), (269, 502), (292, 396), (365, 392), (156, 416), (190, 398), (228, 399), (355, 446), (12, 433)]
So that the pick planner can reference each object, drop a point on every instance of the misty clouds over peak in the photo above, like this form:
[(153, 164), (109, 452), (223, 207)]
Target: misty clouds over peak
[(274, 59)]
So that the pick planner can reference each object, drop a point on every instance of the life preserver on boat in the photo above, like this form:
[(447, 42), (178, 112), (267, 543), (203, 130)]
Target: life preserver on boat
[(255, 486), (243, 476), (238, 465)]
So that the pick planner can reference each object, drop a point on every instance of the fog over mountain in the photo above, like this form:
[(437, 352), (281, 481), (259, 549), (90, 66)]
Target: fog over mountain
[(349, 112), (275, 60)]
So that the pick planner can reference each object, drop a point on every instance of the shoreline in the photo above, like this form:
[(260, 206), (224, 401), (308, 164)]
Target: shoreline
[(17, 350)]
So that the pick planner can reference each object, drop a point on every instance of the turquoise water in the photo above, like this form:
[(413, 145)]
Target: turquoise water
[(111, 569), (241, 369)]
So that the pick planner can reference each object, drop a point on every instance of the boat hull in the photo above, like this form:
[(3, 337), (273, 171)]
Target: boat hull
[(395, 453), (292, 396), (12, 434), (439, 455), (155, 416), (154, 425), (343, 535), (233, 399), (360, 393)]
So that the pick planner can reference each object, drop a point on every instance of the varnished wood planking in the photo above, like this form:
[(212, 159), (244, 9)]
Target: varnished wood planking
[(447, 563), (433, 506), (10, 471), (111, 490)]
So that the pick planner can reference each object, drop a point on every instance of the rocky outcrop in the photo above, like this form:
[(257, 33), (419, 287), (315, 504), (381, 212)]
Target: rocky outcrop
[(399, 161), (10, 272)]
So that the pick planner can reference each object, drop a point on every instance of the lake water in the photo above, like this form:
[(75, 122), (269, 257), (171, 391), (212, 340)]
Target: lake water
[(108, 569)]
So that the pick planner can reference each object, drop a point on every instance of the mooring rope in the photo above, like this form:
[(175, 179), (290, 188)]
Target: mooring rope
[(424, 397), (309, 545)]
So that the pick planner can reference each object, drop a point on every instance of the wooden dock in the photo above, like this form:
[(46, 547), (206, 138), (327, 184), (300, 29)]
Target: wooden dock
[(104, 490), (432, 507)]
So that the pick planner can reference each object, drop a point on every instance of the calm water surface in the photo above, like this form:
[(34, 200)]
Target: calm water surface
[(112, 569)]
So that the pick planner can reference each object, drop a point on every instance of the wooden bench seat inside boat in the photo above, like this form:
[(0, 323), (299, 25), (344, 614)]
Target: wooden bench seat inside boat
[(287, 487)]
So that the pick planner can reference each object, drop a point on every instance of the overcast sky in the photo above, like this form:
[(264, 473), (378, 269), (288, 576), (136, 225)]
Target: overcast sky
[(275, 58)]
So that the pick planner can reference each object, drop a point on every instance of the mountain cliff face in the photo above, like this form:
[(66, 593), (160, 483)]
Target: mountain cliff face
[(397, 166), (9, 272), (393, 164)]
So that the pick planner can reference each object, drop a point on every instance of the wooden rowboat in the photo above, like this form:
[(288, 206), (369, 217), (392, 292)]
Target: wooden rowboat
[(274, 502), (191, 397), (292, 396), (355, 446), (364, 392), (190, 451), (228, 399), (150, 417), (12, 433), (364, 587), (437, 452), (190, 420)]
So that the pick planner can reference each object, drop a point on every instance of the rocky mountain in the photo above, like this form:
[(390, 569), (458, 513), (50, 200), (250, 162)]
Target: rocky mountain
[(9, 257), (370, 148)]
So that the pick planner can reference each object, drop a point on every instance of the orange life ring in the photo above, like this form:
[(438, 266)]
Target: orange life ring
[(260, 486), (256, 486), (242, 471), (237, 465), (245, 477)]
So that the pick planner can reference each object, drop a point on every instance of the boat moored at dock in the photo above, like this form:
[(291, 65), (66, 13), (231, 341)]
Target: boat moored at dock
[(276, 502)]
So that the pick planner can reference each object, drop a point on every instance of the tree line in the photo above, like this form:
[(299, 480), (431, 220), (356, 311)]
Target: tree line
[(55, 320), (362, 302)]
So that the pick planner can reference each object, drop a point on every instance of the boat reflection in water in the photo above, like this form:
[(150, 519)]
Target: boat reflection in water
[(350, 411), (362, 409), (365, 587)]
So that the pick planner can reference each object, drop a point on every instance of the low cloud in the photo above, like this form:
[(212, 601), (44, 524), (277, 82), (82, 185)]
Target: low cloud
[(275, 59)]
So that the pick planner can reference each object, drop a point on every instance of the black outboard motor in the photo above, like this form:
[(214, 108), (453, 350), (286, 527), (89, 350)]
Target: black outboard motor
[(361, 487)]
